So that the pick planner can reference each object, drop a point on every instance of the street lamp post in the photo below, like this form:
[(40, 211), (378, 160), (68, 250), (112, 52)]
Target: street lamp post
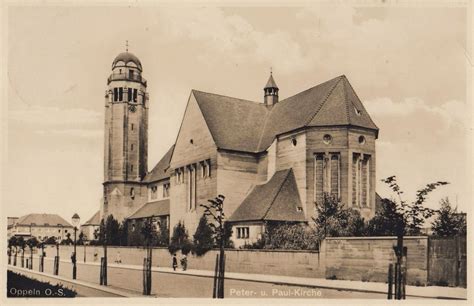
[(75, 222)]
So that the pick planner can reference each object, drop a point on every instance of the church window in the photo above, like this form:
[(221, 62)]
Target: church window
[(299, 209), (132, 193), (130, 74), (191, 186), (361, 139), (131, 147), (115, 94), (205, 168), (120, 94), (153, 193), (134, 95), (179, 174), (131, 126), (360, 180), (131, 168), (327, 175), (327, 139), (294, 142), (166, 190), (129, 94)]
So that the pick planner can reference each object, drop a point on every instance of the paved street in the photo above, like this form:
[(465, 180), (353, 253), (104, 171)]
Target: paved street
[(174, 285)]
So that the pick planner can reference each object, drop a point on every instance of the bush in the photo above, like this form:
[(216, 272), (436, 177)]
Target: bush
[(288, 236), (203, 238), (180, 240)]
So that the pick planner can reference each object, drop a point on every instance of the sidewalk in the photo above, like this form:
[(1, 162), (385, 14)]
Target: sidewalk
[(369, 287)]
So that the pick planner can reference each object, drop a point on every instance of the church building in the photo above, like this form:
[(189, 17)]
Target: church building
[(271, 159)]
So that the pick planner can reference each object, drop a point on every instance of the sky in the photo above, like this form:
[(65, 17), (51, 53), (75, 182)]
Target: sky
[(408, 65)]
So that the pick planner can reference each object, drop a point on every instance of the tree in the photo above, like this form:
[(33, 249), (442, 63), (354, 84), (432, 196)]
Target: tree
[(414, 213), (387, 221), (80, 240), (50, 240), (179, 240), (68, 240), (163, 237), (124, 232), (148, 231), (203, 238), (109, 231), (334, 220), (448, 222)]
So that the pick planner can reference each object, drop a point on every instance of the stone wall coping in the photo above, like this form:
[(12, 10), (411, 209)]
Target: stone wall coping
[(227, 250), (377, 238)]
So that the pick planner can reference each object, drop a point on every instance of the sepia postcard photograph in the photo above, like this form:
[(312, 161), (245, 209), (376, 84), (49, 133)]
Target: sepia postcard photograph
[(198, 152)]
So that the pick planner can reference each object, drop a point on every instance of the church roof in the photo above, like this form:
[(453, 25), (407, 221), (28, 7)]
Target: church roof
[(162, 169), (43, 220), (271, 83), (235, 124), (94, 220), (276, 200), (127, 57), (152, 209), (248, 126)]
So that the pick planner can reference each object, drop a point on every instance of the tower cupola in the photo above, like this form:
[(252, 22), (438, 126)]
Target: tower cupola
[(271, 92)]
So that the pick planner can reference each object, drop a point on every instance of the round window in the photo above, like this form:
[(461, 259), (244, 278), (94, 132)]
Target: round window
[(327, 139), (294, 142), (361, 139)]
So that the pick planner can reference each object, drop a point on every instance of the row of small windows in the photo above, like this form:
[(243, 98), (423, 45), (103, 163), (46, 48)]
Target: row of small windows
[(243, 232), (205, 170), (192, 170), (165, 191), (119, 93)]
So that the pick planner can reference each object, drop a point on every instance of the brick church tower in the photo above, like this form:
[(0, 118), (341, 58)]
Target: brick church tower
[(126, 138)]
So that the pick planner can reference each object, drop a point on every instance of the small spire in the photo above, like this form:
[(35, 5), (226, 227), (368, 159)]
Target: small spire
[(126, 45), (271, 72)]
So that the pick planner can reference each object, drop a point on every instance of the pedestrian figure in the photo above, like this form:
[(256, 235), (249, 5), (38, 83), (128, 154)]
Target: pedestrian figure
[(73, 257), (117, 258), (95, 255), (175, 262), (184, 262)]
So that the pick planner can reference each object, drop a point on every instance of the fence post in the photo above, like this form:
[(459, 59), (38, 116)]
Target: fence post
[(144, 275), (390, 279), (216, 269)]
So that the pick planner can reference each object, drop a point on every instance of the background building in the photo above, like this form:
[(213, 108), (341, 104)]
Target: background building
[(42, 226)]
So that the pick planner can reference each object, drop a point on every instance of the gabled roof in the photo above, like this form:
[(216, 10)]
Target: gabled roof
[(247, 126), (162, 169), (94, 220), (235, 124), (43, 220), (276, 200), (152, 209)]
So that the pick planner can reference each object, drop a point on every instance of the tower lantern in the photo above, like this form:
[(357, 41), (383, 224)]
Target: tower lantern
[(271, 91)]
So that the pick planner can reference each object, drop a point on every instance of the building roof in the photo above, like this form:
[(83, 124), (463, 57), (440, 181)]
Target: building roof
[(94, 220), (276, 200), (271, 83), (152, 209), (43, 220), (235, 124), (162, 169), (248, 126), (127, 57)]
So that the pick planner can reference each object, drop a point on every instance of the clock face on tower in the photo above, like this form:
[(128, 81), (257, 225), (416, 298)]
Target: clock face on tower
[(132, 108)]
